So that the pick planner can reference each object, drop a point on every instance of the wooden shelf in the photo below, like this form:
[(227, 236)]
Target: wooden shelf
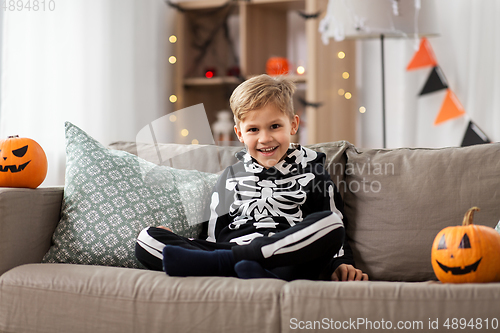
[(203, 81), (208, 4), (230, 80), (260, 29)]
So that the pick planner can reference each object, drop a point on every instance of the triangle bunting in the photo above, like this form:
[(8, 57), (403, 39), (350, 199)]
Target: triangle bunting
[(450, 109), (435, 82), (424, 57), (474, 136)]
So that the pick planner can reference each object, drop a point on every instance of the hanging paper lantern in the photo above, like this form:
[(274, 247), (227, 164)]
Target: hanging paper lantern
[(23, 163), (467, 253)]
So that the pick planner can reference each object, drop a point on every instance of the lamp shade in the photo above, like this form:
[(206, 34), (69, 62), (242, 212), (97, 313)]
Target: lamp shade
[(372, 18)]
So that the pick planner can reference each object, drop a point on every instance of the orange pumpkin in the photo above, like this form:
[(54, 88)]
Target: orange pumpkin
[(277, 66), (23, 163), (467, 253)]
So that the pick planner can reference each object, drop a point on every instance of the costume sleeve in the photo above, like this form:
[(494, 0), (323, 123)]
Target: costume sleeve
[(332, 200), (220, 202), (345, 255)]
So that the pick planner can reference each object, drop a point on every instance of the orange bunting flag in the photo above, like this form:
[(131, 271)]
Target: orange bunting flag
[(450, 109), (424, 57)]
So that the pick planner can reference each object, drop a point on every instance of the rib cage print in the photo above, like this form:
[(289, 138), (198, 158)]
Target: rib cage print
[(261, 200)]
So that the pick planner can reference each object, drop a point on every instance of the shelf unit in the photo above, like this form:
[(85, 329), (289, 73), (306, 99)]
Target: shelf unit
[(259, 30)]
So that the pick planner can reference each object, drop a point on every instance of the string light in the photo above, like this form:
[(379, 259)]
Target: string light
[(301, 70), (345, 75), (172, 118), (172, 39), (184, 132), (348, 95), (362, 109), (341, 55)]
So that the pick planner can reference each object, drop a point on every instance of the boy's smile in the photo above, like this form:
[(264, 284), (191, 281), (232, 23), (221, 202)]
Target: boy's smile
[(266, 133)]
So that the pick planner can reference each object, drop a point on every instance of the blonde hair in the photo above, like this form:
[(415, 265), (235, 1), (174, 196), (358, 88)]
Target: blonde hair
[(259, 91)]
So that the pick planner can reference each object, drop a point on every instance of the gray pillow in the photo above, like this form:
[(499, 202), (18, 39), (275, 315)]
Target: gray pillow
[(111, 195), (397, 200)]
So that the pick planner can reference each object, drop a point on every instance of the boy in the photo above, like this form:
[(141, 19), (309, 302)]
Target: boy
[(274, 214)]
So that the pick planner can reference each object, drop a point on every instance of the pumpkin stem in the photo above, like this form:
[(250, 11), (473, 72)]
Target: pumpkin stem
[(13, 136), (468, 216)]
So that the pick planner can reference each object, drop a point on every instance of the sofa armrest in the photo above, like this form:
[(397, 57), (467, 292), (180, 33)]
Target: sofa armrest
[(28, 218)]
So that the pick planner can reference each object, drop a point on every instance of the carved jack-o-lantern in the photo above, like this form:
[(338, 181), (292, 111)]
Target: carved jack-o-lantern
[(23, 163), (467, 253)]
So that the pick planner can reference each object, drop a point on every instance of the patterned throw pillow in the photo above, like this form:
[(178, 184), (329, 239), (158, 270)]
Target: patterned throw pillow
[(111, 195)]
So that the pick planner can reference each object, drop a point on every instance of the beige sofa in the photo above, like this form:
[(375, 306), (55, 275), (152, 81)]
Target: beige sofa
[(396, 201)]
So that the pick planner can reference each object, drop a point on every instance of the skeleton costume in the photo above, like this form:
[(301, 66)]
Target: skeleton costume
[(288, 218)]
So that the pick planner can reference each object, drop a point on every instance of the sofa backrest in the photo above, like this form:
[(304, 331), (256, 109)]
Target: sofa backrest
[(205, 158), (399, 199), (396, 200)]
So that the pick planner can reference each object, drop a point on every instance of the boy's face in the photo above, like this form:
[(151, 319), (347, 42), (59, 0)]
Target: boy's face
[(266, 133)]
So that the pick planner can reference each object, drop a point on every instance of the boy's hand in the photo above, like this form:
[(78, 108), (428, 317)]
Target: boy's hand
[(166, 228), (348, 273)]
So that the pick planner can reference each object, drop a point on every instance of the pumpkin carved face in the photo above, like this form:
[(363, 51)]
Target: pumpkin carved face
[(467, 253), (23, 163)]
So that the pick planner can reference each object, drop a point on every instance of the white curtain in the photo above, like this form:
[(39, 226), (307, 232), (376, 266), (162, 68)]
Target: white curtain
[(467, 51), (100, 64)]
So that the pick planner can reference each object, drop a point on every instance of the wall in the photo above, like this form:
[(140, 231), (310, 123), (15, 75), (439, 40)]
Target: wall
[(467, 51)]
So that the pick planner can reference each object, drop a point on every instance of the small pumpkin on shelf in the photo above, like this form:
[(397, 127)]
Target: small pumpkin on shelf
[(277, 66), (23, 163), (468, 253)]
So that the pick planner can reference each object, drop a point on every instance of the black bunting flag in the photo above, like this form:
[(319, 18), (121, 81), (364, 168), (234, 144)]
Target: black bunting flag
[(435, 82), (474, 136)]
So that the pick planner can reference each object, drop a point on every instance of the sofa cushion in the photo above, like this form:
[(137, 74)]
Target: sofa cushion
[(380, 306), (111, 195), (75, 298), (397, 200), (335, 160)]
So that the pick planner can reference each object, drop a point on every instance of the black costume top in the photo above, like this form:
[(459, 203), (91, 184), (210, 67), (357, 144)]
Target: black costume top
[(251, 201)]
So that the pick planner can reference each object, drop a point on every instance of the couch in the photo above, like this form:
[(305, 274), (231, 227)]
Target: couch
[(396, 201)]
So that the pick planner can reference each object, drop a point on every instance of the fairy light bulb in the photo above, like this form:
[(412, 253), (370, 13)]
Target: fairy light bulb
[(341, 55), (348, 95), (362, 109), (172, 60), (172, 39), (184, 132), (173, 98), (301, 70), (345, 75)]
